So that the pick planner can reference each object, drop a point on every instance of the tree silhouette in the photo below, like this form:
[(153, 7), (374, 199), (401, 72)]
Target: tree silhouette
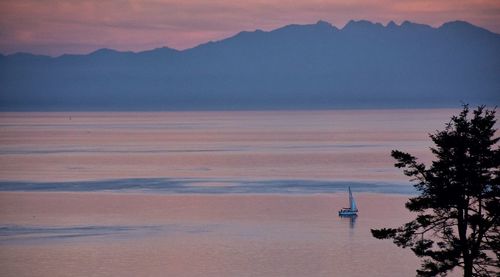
[(459, 203)]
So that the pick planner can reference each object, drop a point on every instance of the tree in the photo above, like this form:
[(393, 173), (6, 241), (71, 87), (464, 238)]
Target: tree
[(458, 205)]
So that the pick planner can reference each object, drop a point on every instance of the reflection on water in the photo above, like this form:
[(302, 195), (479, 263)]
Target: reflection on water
[(351, 219)]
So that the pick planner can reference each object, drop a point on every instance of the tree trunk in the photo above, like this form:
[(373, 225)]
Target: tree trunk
[(462, 234), (468, 267)]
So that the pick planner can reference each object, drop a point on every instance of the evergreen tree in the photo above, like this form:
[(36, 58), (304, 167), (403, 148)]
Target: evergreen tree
[(459, 199)]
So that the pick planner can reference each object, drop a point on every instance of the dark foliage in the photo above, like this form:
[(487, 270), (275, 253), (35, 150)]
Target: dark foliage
[(459, 203)]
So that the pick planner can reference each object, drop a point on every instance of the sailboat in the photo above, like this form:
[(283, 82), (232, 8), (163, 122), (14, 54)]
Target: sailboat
[(352, 210)]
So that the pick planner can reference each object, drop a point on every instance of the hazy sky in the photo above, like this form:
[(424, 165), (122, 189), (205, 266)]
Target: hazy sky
[(55, 27)]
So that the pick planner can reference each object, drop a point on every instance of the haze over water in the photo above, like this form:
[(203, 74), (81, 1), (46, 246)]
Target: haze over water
[(205, 193)]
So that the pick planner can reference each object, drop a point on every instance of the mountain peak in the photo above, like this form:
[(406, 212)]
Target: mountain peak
[(163, 49), (391, 24), (459, 26), (408, 25), (104, 51), (323, 23), (465, 29), (457, 23), (361, 25), (321, 26)]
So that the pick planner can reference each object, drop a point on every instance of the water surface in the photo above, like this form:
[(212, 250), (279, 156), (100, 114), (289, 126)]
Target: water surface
[(116, 234), (213, 149), (205, 193)]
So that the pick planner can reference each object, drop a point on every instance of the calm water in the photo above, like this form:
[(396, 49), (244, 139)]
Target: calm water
[(205, 193), (201, 151), (103, 234)]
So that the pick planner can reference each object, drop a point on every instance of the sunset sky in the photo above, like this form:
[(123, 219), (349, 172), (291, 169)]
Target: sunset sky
[(55, 27)]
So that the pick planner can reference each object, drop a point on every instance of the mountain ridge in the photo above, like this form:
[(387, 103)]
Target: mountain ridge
[(390, 24), (318, 65)]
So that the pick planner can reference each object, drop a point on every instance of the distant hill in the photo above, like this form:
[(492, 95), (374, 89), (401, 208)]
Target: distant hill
[(296, 66)]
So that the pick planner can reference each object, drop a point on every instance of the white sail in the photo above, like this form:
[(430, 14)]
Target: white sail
[(352, 203), (352, 210)]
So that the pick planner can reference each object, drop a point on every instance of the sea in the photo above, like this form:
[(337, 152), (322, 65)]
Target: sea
[(207, 193)]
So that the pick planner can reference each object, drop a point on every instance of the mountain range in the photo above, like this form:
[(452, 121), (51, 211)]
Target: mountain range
[(315, 66)]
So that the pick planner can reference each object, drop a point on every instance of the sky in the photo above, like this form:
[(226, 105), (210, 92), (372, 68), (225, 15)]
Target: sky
[(56, 27)]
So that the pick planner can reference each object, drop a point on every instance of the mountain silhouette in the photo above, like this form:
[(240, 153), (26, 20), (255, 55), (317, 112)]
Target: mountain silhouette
[(362, 65)]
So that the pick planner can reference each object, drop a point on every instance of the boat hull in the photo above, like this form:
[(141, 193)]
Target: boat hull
[(348, 213), (352, 210)]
